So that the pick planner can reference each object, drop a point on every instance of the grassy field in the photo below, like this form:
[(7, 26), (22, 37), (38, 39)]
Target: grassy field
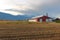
[(21, 30)]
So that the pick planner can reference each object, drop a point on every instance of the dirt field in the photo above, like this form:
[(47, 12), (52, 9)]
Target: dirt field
[(29, 31)]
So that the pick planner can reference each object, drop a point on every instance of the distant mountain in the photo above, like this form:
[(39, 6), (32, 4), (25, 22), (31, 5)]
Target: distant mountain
[(5, 16)]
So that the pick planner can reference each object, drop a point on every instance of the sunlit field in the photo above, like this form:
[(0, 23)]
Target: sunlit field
[(23, 30)]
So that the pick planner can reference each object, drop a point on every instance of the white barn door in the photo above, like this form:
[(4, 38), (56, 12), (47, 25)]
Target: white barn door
[(47, 20), (50, 20), (40, 20)]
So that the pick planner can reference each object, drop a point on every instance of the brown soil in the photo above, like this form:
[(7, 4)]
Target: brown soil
[(29, 31)]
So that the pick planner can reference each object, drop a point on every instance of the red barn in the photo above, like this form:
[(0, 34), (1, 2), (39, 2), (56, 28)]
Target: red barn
[(41, 19)]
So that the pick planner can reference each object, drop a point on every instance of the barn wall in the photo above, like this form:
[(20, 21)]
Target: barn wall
[(47, 20), (32, 20)]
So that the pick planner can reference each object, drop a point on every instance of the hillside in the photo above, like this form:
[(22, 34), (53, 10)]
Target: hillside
[(5, 16)]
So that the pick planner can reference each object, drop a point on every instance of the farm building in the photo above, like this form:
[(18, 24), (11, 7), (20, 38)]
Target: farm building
[(41, 19)]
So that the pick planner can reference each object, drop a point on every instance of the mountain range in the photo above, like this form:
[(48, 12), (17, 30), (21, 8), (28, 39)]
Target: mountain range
[(6, 16)]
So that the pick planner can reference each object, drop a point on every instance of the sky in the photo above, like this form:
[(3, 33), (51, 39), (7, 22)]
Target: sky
[(31, 7)]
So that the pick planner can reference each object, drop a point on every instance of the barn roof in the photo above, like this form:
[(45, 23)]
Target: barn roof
[(42, 17), (45, 17), (37, 16)]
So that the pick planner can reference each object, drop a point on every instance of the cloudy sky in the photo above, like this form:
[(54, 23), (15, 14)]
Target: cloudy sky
[(31, 7)]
